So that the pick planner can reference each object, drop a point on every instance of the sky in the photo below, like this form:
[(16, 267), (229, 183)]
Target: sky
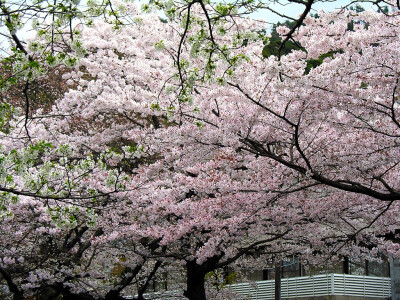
[(294, 10)]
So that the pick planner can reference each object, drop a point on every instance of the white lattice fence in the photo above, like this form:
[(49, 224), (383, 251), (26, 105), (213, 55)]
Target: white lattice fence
[(320, 285)]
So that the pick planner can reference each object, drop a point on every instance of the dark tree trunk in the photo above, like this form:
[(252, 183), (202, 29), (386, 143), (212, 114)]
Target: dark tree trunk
[(346, 265), (48, 293), (17, 293), (18, 296), (195, 280), (278, 276), (82, 296), (54, 291), (113, 295), (265, 274)]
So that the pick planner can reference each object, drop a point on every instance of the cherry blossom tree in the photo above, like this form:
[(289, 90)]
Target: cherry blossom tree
[(179, 144)]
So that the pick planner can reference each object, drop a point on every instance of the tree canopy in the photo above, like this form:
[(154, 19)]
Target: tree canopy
[(134, 144)]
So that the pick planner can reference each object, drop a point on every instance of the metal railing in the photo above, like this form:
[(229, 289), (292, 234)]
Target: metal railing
[(319, 285)]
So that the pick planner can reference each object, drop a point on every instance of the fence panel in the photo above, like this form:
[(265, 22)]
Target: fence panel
[(320, 285)]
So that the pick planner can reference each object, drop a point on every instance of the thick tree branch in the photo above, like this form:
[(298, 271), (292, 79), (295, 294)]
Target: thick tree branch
[(18, 294), (299, 22)]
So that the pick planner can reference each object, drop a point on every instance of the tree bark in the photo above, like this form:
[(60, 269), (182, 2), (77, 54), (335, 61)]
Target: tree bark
[(114, 294), (346, 265), (17, 293), (278, 276), (143, 288), (195, 280), (56, 290), (82, 296)]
